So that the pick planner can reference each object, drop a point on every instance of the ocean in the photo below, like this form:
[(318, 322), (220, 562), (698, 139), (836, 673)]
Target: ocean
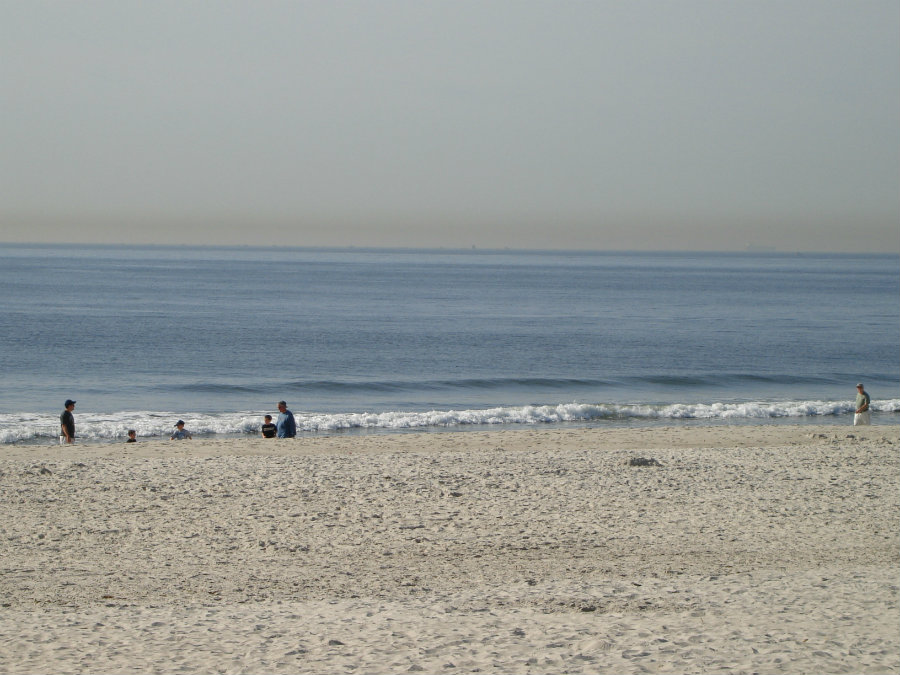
[(371, 340)]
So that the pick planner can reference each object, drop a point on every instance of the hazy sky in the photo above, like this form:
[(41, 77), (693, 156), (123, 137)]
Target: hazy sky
[(507, 123)]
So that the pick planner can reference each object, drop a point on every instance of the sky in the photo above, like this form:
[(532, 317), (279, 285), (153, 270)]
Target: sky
[(630, 125)]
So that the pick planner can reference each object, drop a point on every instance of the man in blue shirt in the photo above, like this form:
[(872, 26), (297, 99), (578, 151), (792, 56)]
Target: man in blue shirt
[(287, 427)]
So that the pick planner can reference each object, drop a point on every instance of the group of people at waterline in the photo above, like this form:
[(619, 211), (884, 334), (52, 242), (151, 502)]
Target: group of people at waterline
[(286, 427), (283, 427)]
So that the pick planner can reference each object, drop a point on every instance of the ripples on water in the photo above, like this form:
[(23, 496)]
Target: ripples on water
[(373, 339)]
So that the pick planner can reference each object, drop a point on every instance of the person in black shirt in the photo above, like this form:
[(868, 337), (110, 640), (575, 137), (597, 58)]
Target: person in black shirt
[(67, 423), (268, 429)]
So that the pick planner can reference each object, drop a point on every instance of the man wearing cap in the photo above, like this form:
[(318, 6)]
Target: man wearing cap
[(285, 424), (862, 417), (180, 432), (67, 423)]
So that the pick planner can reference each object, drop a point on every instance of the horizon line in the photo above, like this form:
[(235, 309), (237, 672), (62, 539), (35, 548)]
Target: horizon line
[(750, 249)]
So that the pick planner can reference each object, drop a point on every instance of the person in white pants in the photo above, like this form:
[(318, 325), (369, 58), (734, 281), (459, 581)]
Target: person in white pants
[(862, 416)]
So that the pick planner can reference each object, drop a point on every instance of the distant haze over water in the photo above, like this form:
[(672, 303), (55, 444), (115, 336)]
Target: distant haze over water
[(377, 339)]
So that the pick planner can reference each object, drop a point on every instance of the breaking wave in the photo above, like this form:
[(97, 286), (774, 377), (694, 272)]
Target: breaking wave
[(110, 427)]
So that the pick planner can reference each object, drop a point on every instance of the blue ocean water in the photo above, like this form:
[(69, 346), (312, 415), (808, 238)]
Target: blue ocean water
[(397, 339)]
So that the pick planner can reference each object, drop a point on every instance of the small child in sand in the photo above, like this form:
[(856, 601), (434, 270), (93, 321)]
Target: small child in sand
[(132, 436), (180, 432), (268, 429)]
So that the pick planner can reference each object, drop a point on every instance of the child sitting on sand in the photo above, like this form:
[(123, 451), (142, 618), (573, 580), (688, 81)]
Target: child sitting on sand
[(180, 432), (268, 429)]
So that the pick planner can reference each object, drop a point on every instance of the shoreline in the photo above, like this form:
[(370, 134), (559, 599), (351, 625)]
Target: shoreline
[(700, 435), (771, 548), (881, 420)]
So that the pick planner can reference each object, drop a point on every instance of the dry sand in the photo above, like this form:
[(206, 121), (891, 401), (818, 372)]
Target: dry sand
[(769, 549)]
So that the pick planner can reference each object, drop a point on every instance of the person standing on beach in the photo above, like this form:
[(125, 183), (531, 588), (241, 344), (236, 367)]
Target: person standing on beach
[(862, 417), (285, 424), (67, 423)]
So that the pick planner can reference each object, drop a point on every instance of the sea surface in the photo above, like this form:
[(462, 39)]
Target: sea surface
[(364, 340)]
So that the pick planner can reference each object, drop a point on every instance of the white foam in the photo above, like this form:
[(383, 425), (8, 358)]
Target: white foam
[(30, 428)]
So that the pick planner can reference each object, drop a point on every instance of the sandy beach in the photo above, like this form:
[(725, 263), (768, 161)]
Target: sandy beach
[(733, 549)]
